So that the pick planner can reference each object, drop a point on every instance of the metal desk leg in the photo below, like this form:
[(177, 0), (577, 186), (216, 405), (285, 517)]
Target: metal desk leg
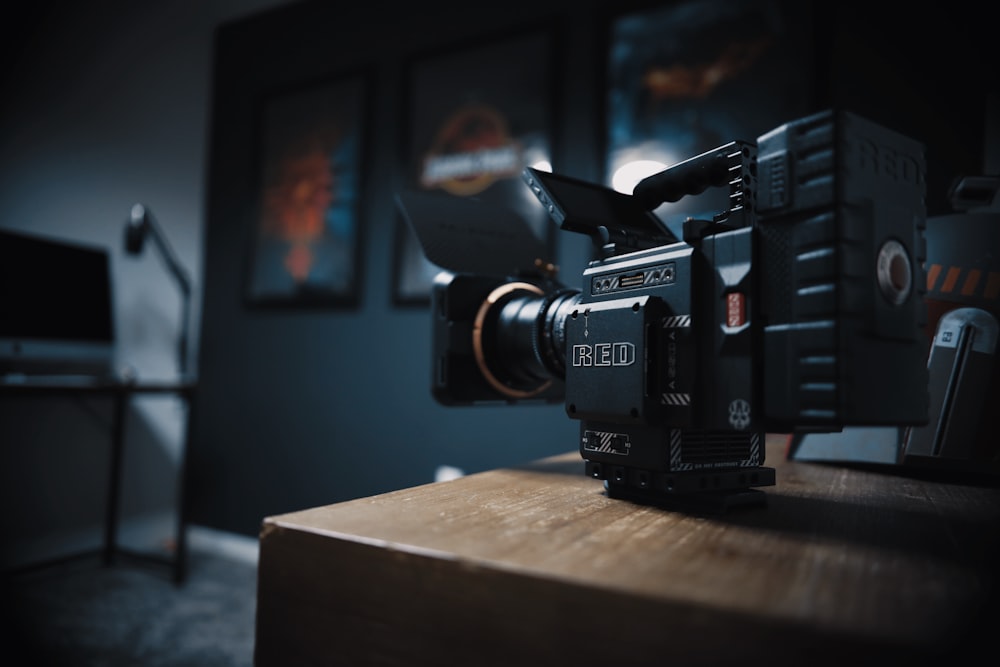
[(180, 557), (114, 484)]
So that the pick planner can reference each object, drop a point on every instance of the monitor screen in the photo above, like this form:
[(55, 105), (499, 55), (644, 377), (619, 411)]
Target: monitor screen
[(56, 310)]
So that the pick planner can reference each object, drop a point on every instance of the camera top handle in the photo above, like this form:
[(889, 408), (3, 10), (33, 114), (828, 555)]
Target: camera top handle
[(690, 177), (618, 222), (731, 164)]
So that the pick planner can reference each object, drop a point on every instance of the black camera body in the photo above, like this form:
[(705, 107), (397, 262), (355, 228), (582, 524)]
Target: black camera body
[(799, 308)]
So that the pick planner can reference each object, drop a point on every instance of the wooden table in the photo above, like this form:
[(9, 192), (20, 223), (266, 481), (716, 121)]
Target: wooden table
[(536, 565)]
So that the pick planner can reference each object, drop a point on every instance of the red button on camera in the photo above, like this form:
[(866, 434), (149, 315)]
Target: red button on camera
[(736, 309)]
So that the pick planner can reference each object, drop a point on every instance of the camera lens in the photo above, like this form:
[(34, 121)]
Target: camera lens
[(519, 338)]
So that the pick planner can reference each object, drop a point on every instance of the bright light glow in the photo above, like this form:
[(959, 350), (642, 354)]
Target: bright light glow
[(446, 473), (630, 173), (543, 165)]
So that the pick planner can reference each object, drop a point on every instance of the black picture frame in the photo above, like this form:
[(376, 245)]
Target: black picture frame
[(474, 115), (686, 77), (311, 153)]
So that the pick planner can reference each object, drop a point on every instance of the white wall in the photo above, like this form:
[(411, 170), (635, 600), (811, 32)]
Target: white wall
[(108, 109)]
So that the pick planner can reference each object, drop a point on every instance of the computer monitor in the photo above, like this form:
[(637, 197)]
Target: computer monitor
[(56, 306)]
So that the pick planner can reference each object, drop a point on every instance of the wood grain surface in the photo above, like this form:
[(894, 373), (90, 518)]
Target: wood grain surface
[(536, 563)]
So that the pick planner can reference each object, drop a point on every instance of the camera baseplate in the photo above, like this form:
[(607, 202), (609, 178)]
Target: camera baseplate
[(708, 490)]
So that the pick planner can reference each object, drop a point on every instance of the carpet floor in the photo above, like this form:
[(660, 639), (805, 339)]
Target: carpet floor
[(84, 614)]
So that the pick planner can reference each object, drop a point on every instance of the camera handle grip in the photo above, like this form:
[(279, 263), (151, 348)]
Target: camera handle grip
[(690, 177)]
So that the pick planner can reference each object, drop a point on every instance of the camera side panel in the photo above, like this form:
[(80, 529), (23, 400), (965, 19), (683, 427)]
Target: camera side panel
[(607, 360), (724, 277)]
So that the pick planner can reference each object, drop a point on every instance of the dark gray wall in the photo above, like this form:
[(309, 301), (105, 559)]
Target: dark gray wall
[(303, 408), (299, 409)]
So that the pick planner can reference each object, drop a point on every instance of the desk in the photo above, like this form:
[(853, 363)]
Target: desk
[(120, 392), (536, 565)]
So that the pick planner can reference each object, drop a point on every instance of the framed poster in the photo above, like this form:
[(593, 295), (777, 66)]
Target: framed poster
[(685, 78), (306, 241), (474, 117)]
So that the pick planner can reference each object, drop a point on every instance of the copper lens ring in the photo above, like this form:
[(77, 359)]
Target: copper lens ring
[(498, 296)]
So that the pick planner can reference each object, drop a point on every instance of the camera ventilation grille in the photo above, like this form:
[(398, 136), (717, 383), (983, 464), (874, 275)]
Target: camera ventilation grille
[(702, 447)]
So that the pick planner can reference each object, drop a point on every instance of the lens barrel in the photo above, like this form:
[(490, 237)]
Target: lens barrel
[(519, 337)]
